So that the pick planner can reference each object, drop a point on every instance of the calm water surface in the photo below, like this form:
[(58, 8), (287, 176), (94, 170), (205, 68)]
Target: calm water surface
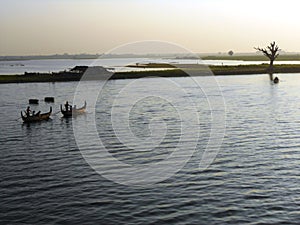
[(254, 179)]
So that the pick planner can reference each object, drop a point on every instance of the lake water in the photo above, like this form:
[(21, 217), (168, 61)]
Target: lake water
[(55, 65), (254, 179)]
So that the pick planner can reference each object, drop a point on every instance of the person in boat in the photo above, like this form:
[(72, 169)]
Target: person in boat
[(67, 106), (35, 114), (28, 111)]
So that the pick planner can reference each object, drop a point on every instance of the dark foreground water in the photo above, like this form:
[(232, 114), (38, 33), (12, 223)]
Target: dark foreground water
[(254, 179)]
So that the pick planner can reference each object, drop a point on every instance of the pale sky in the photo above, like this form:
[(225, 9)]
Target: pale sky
[(31, 27)]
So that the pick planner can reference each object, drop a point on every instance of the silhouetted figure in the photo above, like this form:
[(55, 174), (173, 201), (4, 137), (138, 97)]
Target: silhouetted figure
[(35, 114), (276, 80), (67, 106), (28, 111)]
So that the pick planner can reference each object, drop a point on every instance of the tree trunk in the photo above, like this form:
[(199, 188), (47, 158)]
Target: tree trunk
[(272, 53), (271, 69)]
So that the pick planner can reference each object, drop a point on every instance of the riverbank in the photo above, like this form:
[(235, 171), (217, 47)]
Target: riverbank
[(169, 71), (221, 56), (282, 57)]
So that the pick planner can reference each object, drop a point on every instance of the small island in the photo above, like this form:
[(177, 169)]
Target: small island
[(163, 70)]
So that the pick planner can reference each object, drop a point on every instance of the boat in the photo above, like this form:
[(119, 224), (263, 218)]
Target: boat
[(73, 111), (33, 101), (49, 99), (37, 117)]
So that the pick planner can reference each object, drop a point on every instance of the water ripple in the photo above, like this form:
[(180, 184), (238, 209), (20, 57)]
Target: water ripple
[(254, 179)]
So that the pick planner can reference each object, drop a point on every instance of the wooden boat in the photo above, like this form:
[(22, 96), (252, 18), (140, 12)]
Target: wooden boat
[(37, 117), (33, 101), (74, 111), (49, 99)]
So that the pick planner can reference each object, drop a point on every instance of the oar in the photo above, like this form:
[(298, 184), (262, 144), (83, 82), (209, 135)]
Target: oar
[(56, 113), (19, 118)]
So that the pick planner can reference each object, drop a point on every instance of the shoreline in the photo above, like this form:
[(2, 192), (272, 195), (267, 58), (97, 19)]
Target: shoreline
[(66, 76), (207, 56)]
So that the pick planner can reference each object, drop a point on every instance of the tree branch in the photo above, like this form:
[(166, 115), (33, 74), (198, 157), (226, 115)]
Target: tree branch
[(271, 51)]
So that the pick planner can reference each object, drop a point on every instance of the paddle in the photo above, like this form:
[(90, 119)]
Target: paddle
[(18, 118), (56, 113)]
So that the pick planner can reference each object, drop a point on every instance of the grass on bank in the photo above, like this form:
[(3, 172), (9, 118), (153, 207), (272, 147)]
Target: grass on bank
[(201, 71), (294, 57)]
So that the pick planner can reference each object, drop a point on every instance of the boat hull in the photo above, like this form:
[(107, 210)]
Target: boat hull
[(74, 112), (36, 118)]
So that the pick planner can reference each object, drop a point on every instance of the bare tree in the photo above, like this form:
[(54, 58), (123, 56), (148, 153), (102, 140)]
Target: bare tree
[(272, 53)]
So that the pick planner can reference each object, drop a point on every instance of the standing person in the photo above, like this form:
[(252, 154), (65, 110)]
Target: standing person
[(67, 106), (28, 111)]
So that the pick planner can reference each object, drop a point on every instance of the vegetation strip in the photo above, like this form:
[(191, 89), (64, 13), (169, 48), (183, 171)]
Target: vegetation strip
[(216, 70)]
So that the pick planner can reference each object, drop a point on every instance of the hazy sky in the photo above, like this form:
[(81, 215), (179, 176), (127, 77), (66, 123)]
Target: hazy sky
[(94, 26)]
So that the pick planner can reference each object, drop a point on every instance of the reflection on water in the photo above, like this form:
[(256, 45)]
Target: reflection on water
[(254, 179)]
